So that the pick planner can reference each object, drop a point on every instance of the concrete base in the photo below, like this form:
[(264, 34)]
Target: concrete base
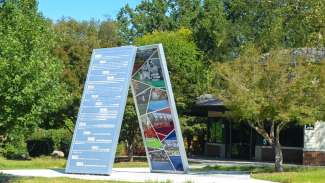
[(290, 154), (143, 175)]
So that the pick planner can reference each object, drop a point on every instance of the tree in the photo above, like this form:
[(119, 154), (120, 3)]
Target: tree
[(156, 15), (75, 43), (130, 131), (213, 31), (194, 130), (147, 17), (30, 84), (108, 34), (184, 63), (276, 24), (271, 92), (223, 27), (184, 13), (126, 30)]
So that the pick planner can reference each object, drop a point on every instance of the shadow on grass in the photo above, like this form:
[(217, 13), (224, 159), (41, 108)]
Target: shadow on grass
[(5, 178), (59, 170)]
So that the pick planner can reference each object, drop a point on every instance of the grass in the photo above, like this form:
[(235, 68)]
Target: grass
[(135, 164), (48, 162), (292, 174), (51, 163), (4, 178), (56, 180), (9, 179), (35, 163), (304, 175)]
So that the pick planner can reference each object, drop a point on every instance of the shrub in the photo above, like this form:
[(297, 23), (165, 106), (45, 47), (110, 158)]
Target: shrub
[(16, 149), (45, 141), (40, 147)]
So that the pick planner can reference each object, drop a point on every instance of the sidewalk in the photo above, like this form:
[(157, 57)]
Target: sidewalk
[(143, 175), (201, 162)]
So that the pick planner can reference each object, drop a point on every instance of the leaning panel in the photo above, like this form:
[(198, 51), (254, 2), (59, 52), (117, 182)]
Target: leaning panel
[(155, 105), (101, 111)]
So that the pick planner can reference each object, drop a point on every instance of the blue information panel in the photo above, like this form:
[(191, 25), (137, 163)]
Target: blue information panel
[(101, 111)]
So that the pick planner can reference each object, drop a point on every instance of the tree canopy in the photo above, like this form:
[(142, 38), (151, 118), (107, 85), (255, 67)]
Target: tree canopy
[(221, 28), (271, 91), (74, 44), (31, 84), (184, 63)]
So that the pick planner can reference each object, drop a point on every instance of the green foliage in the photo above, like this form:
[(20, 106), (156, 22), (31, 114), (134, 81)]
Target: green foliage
[(16, 149), (147, 17), (156, 15), (194, 131), (30, 85), (278, 88), (37, 90), (75, 43), (130, 131), (121, 150), (57, 136), (125, 28), (184, 63), (212, 31), (274, 24), (222, 28), (271, 91), (184, 13)]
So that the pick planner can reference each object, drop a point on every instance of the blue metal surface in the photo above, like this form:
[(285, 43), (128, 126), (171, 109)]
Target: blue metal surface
[(101, 111)]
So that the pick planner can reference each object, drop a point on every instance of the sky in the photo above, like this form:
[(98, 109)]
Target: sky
[(83, 9)]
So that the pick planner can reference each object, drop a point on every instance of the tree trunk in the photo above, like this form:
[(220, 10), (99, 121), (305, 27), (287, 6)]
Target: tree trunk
[(189, 144), (273, 138), (278, 155), (131, 155), (130, 151)]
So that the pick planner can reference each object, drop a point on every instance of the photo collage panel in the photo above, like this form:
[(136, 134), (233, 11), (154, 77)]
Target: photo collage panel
[(154, 108)]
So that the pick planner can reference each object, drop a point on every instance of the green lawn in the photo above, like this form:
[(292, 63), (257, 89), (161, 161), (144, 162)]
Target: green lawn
[(9, 179), (292, 174), (35, 163), (306, 175), (48, 162)]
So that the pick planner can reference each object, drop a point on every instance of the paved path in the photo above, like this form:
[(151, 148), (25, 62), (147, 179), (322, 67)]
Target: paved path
[(143, 174), (212, 162)]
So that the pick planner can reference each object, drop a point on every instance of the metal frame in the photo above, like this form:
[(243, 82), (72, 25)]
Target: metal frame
[(172, 106), (171, 99)]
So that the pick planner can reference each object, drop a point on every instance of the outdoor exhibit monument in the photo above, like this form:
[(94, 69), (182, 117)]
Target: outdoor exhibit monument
[(111, 72)]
